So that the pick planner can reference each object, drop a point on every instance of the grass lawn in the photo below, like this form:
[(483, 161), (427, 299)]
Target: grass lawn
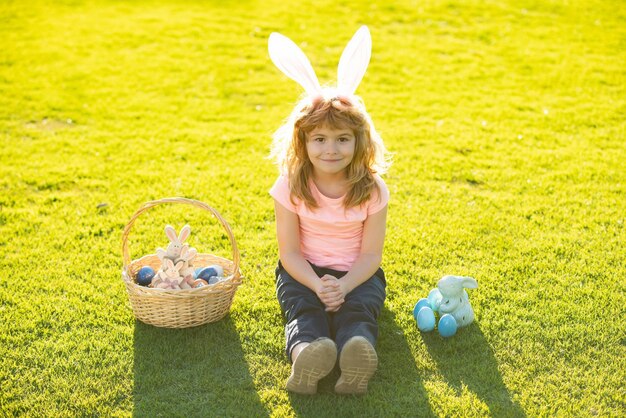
[(507, 121)]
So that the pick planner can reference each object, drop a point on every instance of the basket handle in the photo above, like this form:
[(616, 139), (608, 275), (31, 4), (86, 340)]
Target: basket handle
[(149, 205)]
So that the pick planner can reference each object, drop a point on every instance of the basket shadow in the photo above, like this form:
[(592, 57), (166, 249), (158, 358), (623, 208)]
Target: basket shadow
[(395, 390), (467, 361), (199, 371)]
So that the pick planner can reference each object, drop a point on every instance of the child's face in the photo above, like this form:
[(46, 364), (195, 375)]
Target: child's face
[(330, 150)]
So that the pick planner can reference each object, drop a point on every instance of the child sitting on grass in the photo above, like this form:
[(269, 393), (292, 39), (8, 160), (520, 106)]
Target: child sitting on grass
[(331, 208)]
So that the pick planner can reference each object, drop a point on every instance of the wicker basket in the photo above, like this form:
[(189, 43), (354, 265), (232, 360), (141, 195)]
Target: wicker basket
[(181, 308)]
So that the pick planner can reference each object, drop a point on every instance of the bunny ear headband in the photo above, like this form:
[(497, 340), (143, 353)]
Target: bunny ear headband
[(290, 59)]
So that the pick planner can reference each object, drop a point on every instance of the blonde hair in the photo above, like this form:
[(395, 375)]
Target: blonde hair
[(336, 112)]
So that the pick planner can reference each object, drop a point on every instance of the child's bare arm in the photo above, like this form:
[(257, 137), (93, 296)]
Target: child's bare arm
[(288, 234), (371, 252)]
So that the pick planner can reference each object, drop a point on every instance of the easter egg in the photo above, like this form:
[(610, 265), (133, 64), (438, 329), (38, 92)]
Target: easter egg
[(434, 299), (214, 279), (219, 269), (447, 326), (199, 283), (210, 271), (423, 302), (426, 319), (145, 275)]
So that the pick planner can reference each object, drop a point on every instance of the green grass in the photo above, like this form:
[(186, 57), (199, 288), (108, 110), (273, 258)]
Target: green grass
[(507, 124)]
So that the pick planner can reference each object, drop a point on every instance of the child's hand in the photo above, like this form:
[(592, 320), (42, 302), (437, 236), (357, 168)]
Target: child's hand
[(327, 289), (331, 293)]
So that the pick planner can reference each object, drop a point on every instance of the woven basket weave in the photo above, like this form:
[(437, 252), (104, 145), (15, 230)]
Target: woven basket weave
[(181, 308)]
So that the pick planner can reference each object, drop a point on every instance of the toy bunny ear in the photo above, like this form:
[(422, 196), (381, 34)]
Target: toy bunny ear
[(184, 233), (469, 283), (290, 59), (354, 61), (171, 233), (169, 264), (454, 284)]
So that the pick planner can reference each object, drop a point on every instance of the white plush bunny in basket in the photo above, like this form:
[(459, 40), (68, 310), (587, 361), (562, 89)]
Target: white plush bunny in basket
[(168, 276), (176, 243), (176, 270), (187, 255)]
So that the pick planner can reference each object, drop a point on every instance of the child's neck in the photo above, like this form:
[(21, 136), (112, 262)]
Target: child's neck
[(333, 186)]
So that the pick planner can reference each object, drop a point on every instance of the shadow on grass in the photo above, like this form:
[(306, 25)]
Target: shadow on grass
[(395, 390), (467, 361), (198, 371)]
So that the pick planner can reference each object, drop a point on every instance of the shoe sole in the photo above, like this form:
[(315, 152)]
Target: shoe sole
[(358, 362), (313, 363)]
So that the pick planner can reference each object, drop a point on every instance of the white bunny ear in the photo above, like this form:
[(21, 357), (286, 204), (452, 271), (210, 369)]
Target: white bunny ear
[(184, 233), (171, 233), (470, 283), (290, 59), (354, 61)]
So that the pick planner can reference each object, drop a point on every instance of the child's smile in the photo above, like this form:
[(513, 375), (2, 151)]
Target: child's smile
[(330, 150)]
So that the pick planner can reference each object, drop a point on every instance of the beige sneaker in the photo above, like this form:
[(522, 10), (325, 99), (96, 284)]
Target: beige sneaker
[(358, 362), (314, 362)]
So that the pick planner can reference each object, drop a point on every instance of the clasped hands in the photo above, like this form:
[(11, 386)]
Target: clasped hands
[(332, 292)]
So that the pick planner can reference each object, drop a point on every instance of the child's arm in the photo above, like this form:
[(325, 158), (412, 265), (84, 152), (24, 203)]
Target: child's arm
[(288, 234), (371, 253)]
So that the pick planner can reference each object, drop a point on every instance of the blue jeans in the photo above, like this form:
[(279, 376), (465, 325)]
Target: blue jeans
[(307, 320)]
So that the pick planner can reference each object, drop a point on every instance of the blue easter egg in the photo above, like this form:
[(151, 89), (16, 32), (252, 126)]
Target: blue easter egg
[(426, 319), (196, 272), (219, 269), (447, 326), (423, 302), (145, 275), (434, 299), (207, 272)]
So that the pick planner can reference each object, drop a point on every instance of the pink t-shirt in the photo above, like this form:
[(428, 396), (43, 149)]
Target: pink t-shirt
[(330, 236)]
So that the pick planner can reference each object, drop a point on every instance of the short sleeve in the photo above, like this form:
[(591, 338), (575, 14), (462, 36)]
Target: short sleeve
[(380, 198), (281, 193)]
